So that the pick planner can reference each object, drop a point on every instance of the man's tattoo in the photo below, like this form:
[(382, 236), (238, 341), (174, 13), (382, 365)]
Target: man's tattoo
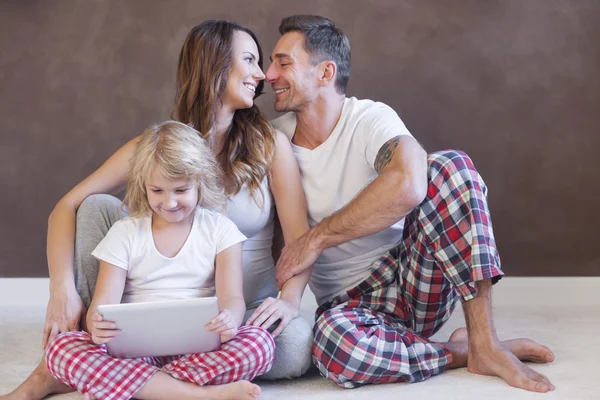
[(384, 156)]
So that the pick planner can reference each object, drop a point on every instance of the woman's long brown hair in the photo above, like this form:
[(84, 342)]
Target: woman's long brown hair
[(204, 65)]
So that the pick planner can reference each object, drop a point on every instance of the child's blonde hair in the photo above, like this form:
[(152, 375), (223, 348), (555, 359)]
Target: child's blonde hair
[(177, 151)]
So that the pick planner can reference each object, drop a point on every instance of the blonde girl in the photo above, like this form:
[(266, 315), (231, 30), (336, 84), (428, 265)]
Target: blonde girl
[(175, 245)]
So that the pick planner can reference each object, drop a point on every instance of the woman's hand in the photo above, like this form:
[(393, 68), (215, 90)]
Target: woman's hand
[(224, 325), (270, 311), (63, 314), (102, 331)]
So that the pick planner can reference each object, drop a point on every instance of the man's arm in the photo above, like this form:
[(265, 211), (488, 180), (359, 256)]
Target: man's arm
[(401, 186)]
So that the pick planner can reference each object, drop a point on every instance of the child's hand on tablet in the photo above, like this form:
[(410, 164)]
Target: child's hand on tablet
[(223, 324), (102, 331)]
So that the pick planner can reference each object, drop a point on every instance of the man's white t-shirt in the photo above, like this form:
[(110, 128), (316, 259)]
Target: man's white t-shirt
[(333, 174), (129, 245)]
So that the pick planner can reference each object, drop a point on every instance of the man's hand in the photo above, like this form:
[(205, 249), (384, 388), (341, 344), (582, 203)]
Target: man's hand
[(224, 325), (102, 331), (63, 314), (295, 258), (270, 311)]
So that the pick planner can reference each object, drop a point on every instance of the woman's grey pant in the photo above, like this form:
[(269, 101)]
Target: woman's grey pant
[(99, 212)]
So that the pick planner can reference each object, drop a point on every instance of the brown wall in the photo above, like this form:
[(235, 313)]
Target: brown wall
[(514, 83)]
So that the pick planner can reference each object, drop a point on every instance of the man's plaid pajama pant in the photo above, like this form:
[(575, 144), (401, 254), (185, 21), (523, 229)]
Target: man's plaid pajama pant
[(377, 332), (75, 360)]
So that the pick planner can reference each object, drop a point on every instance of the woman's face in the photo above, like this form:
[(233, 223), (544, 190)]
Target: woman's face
[(245, 73)]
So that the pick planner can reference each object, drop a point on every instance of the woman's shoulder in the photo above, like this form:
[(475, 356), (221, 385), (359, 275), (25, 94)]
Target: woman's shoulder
[(286, 124), (282, 140)]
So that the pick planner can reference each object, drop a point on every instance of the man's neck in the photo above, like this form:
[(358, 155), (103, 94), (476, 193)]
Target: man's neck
[(316, 123)]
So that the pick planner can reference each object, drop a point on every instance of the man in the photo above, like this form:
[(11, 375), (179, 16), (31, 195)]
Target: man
[(396, 237)]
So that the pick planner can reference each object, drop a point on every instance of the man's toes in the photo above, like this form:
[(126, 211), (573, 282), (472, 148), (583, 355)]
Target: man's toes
[(544, 379), (541, 354), (542, 383), (541, 387), (548, 354)]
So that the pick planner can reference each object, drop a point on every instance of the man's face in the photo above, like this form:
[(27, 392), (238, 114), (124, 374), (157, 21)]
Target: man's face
[(291, 74)]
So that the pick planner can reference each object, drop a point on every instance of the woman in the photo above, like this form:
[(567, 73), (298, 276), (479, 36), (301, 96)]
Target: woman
[(219, 75)]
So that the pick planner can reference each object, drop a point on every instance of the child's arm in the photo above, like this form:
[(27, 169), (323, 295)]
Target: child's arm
[(109, 290), (230, 293)]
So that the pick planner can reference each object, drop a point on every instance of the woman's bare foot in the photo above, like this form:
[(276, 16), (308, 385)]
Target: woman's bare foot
[(37, 386)]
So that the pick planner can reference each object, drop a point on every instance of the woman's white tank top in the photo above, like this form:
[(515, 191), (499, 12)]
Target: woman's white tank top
[(255, 221)]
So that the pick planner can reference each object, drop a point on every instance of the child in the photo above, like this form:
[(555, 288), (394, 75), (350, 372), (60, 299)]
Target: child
[(173, 246)]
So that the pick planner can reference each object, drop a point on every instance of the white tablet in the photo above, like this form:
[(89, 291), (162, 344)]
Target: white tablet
[(162, 328)]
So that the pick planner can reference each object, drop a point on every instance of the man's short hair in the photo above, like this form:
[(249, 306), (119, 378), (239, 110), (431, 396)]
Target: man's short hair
[(324, 40)]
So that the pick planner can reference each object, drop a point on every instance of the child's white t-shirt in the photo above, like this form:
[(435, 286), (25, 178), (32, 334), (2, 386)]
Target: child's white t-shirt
[(129, 245)]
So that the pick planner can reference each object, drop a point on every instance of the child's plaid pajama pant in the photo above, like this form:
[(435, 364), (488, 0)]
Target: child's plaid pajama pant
[(377, 332), (75, 360)]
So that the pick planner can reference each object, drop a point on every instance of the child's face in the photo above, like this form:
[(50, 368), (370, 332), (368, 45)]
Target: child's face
[(171, 200)]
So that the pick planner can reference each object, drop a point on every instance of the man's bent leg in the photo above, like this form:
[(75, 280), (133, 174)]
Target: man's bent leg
[(452, 231), (358, 346), (448, 243)]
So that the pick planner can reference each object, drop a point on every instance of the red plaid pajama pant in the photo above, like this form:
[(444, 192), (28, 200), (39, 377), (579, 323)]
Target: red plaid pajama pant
[(378, 331), (75, 360)]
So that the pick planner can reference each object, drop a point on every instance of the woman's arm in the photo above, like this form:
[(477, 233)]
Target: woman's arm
[(109, 290), (230, 293), (290, 202), (65, 307)]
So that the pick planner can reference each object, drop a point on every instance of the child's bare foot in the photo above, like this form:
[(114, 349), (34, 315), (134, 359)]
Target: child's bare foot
[(164, 386), (241, 390), (37, 386)]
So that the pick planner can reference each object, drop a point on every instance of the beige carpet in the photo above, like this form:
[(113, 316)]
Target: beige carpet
[(562, 313)]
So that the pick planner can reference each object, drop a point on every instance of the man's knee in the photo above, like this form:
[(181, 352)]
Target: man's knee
[(450, 159), (453, 168)]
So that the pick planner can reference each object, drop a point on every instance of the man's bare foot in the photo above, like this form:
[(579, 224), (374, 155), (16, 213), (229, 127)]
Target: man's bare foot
[(524, 349), (503, 360), (37, 386), (495, 360), (240, 390)]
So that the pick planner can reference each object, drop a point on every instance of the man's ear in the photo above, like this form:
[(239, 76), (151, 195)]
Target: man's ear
[(327, 72)]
